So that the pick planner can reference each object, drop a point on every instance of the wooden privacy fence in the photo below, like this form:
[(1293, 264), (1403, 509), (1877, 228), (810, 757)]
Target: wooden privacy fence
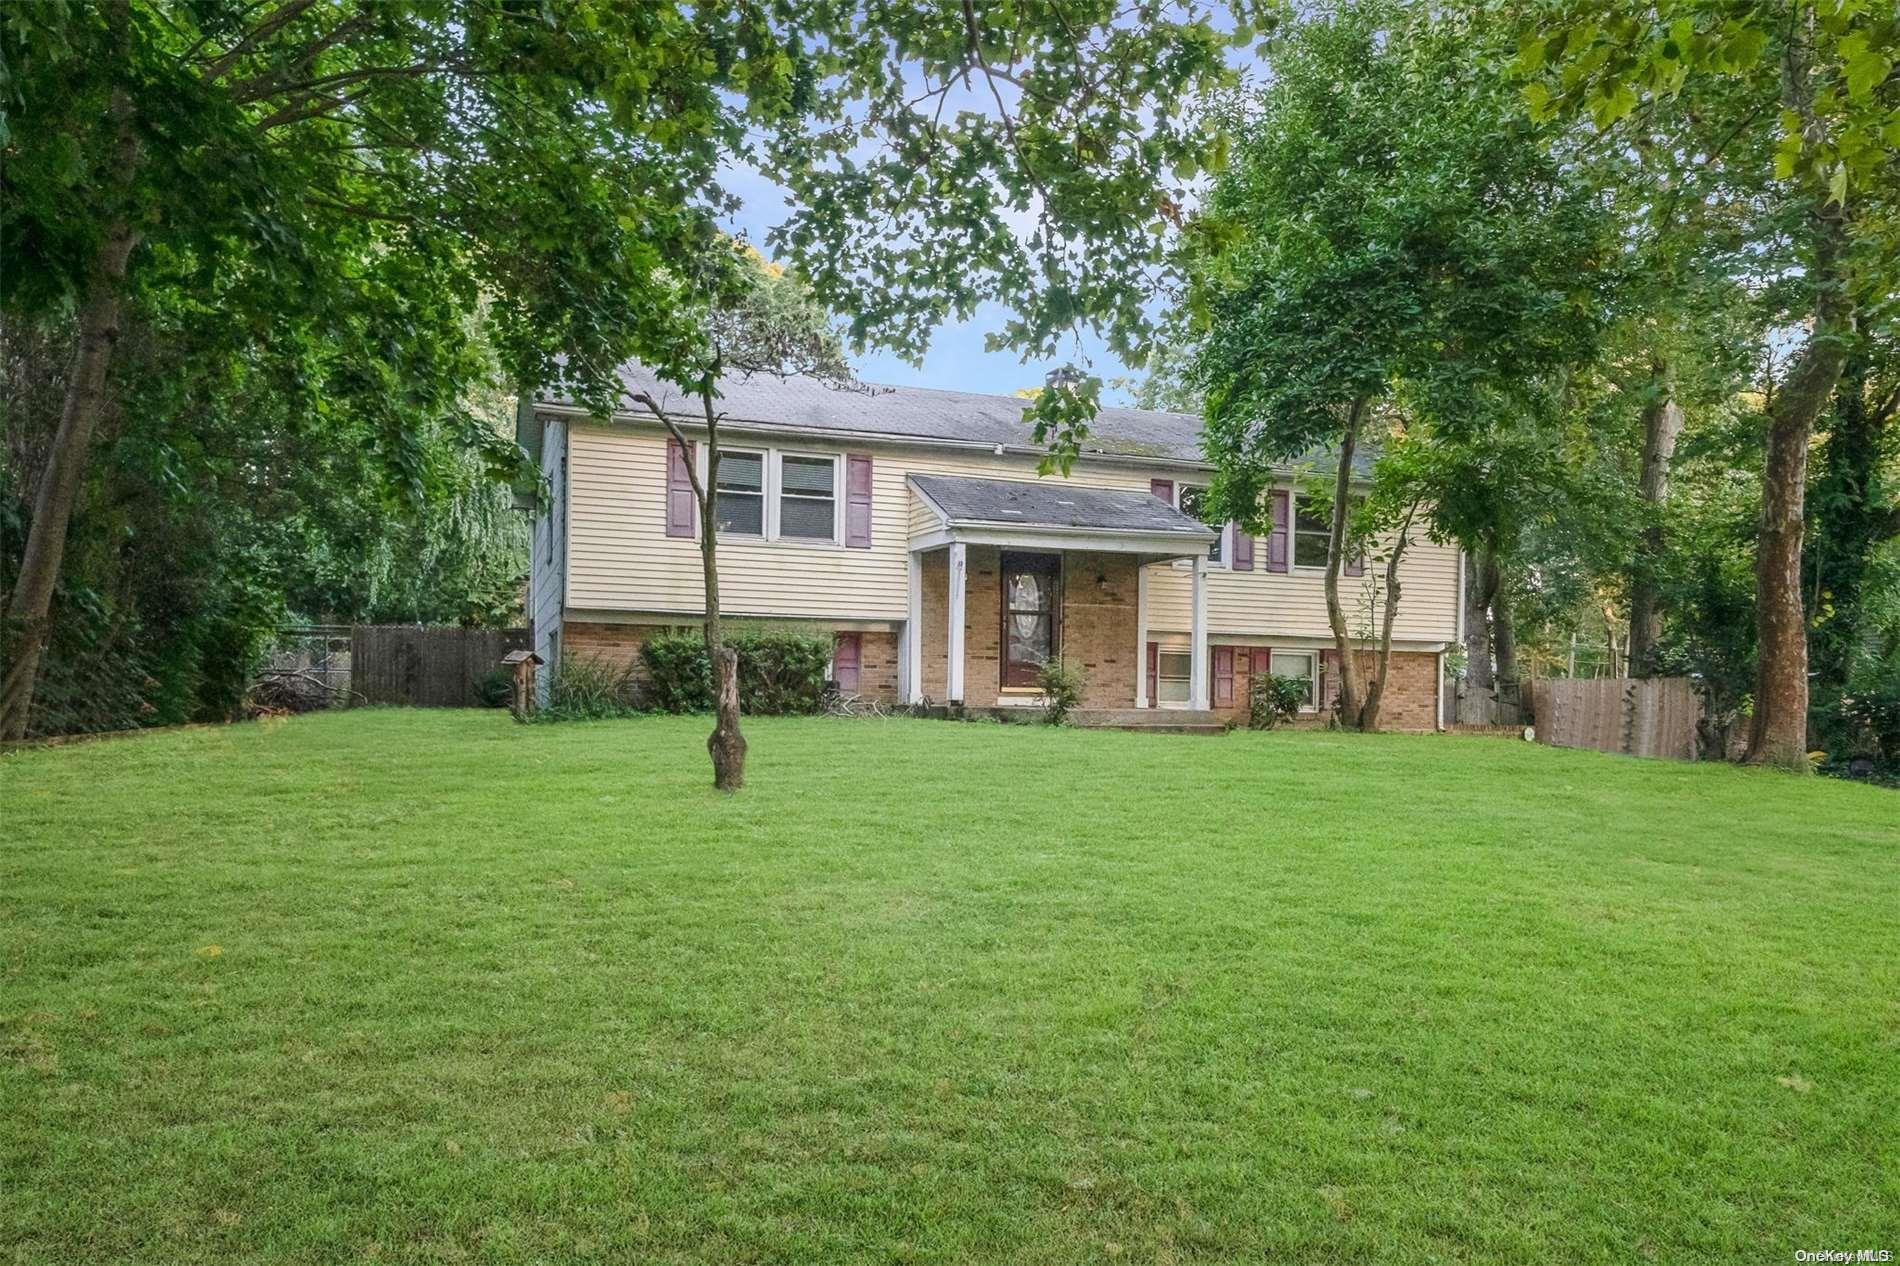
[(425, 667), (1636, 716)]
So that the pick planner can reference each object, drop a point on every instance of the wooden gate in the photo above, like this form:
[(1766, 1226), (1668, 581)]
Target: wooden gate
[(425, 667), (1635, 716)]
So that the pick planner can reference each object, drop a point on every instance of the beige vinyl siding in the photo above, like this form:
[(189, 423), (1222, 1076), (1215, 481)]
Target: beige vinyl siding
[(1262, 603), (922, 518), (622, 559)]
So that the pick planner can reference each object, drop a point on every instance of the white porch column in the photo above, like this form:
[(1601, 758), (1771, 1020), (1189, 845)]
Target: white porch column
[(958, 566), (912, 663), (1141, 635), (1197, 660)]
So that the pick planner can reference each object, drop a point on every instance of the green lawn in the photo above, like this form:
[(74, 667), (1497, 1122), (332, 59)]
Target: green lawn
[(429, 986)]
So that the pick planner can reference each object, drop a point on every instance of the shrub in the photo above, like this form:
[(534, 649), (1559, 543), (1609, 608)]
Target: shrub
[(781, 671), (495, 688), (679, 671), (1062, 682), (588, 688), (1274, 699)]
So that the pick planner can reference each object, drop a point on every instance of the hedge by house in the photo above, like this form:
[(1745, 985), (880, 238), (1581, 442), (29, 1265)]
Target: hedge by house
[(782, 671)]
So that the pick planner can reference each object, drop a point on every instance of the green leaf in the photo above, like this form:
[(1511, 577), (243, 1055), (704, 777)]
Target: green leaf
[(1866, 71), (1837, 185)]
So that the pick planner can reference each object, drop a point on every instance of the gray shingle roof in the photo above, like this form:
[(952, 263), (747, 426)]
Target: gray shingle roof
[(1055, 504), (925, 413)]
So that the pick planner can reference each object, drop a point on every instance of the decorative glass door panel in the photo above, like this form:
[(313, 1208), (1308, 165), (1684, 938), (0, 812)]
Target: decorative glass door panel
[(1031, 609)]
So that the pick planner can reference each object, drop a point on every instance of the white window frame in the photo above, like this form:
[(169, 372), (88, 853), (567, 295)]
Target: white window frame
[(1293, 500), (765, 490), (773, 479), (1226, 535), (1312, 659), (1161, 652), (1293, 541), (774, 507)]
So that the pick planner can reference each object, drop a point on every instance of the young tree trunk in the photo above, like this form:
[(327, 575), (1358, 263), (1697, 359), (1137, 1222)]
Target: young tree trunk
[(1662, 426), (1351, 689), (29, 609), (1778, 731), (726, 744), (1375, 692)]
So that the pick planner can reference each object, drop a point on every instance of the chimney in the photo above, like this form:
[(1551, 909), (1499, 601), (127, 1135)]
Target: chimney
[(1066, 376)]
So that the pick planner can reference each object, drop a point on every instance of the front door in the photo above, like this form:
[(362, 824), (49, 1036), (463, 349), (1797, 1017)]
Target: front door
[(1030, 615)]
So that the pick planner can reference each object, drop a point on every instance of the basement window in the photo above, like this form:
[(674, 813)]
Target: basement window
[(1174, 673)]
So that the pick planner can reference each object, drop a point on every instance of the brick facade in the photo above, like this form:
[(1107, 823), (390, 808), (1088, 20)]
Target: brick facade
[(1096, 625), (1098, 631)]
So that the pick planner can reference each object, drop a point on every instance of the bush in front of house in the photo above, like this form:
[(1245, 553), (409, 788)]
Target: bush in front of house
[(1275, 699), (782, 672), (1062, 682), (588, 688)]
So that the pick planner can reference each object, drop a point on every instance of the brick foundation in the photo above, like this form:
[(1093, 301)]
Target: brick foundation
[(619, 644)]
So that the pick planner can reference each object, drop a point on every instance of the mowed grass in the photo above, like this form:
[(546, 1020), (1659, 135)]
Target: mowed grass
[(430, 986)]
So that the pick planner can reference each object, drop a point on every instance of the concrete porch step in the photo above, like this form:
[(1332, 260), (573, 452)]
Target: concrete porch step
[(1165, 720)]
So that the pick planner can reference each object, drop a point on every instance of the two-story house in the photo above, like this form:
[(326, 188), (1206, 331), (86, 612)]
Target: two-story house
[(911, 525)]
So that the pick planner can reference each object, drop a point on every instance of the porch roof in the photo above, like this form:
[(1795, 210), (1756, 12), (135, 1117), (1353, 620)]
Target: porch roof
[(1085, 517)]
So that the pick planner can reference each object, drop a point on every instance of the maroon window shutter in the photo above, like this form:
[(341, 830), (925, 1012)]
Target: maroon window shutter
[(1277, 541), (1154, 673), (1223, 670), (847, 655), (1328, 685), (857, 501), (1243, 548), (1163, 488), (679, 489)]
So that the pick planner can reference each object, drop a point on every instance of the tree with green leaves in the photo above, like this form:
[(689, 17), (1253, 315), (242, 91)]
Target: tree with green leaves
[(361, 178), (757, 319), (1393, 245), (1794, 103)]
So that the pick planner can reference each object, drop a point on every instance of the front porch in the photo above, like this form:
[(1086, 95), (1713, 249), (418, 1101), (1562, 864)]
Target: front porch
[(1005, 575)]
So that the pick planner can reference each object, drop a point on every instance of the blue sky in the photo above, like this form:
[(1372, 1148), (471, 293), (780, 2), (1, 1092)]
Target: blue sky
[(956, 359)]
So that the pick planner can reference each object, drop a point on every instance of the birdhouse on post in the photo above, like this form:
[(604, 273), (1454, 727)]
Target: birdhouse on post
[(522, 663)]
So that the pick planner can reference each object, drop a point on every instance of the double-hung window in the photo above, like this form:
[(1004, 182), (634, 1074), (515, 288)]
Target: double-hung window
[(1312, 536), (808, 497), (739, 500), (1173, 676), (1191, 500), (1303, 665)]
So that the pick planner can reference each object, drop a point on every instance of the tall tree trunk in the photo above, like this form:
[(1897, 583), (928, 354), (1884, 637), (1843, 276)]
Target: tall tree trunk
[(1503, 637), (1473, 708), (1778, 732), (1352, 693), (29, 609), (1662, 426)]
